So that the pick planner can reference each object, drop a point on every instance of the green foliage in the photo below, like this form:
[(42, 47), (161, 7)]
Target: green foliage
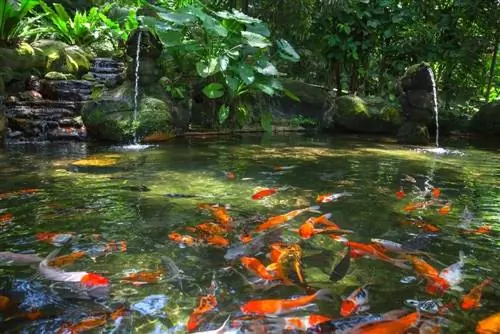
[(229, 51), (305, 122), (83, 28), (13, 18)]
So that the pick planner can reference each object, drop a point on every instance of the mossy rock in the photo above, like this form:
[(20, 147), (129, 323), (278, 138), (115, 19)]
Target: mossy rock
[(23, 58), (365, 115), (111, 115), (59, 76), (413, 134), (3, 124), (487, 120)]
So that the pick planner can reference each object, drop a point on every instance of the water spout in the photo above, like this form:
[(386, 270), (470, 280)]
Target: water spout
[(434, 92), (136, 87)]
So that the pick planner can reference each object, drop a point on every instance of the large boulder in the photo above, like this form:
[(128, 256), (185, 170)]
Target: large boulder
[(417, 95), (487, 120), (110, 116), (365, 115)]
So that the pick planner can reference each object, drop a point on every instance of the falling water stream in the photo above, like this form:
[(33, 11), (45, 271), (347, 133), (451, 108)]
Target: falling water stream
[(434, 94), (136, 87)]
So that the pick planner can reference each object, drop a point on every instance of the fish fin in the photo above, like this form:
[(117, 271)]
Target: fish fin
[(51, 256), (324, 294), (314, 208), (394, 314), (341, 239), (363, 308), (401, 263)]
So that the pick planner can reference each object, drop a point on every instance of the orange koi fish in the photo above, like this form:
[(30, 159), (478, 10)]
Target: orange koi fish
[(356, 302), (264, 193), (144, 277), (84, 325), (230, 175), (414, 206), (325, 220), (95, 284), (485, 229), (245, 238), (206, 304), (56, 239), (281, 306), (256, 267), (434, 281), (489, 325), (116, 246), (372, 250), (21, 192), (6, 218), (445, 209), (281, 219), (182, 239), (211, 228), (307, 230), (220, 213), (471, 300), (399, 326), (217, 240), (331, 197), (301, 324), (425, 226), (66, 259), (400, 194), (436, 192)]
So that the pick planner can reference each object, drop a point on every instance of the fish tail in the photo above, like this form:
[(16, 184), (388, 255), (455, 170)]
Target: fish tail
[(400, 263), (341, 239), (323, 294)]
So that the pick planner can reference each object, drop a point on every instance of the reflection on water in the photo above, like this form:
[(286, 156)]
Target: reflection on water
[(126, 200)]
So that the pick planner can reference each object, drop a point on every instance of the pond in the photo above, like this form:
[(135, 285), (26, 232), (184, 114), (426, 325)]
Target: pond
[(122, 220)]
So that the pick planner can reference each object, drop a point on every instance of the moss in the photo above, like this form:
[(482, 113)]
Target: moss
[(351, 105), (59, 76), (414, 68), (116, 127), (154, 116), (414, 134)]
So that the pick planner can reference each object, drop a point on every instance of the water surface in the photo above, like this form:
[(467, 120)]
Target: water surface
[(111, 201)]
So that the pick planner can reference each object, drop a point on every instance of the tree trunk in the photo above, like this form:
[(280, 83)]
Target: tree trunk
[(492, 68)]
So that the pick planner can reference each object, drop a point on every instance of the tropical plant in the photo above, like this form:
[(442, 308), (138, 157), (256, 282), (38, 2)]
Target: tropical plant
[(230, 51), (13, 20), (83, 28)]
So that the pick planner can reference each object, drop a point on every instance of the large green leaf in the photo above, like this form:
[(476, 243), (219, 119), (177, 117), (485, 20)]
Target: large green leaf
[(233, 84), (206, 68), (238, 16), (214, 90), (241, 114), (258, 28), (286, 51), (179, 18), (223, 113), (223, 63), (265, 89), (209, 23), (246, 73), (266, 121), (291, 95), (265, 67), (255, 40)]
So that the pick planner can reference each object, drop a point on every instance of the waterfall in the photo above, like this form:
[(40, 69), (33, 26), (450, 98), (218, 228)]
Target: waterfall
[(434, 92), (136, 87)]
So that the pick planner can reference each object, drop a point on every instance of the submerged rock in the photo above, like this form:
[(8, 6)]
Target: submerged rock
[(487, 120), (365, 115), (415, 90), (111, 115)]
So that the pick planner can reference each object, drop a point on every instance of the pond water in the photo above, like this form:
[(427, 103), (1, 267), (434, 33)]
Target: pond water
[(123, 199)]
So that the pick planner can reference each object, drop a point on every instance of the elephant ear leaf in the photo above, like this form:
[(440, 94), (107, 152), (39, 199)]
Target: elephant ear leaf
[(214, 90)]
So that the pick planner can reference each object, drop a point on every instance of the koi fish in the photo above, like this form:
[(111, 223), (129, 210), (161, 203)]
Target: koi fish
[(436, 192), (453, 273), (341, 269), (56, 239), (425, 226), (373, 252), (281, 219), (245, 238), (298, 323), (219, 212), (206, 304), (15, 258), (264, 193), (217, 240), (471, 300), (489, 325), (253, 246), (308, 230), (95, 285), (21, 192), (256, 267), (211, 228), (445, 209), (277, 168), (6, 218), (409, 178), (185, 240), (398, 326), (331, 197), (144, 277), (414, 206), (485, 229), (355, 303), (66, 259), (400, 194), (282, 306), (84, 325), (230, 175), (427, 306)]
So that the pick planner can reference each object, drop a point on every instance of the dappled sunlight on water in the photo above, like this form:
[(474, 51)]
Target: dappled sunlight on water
[(108, 194)]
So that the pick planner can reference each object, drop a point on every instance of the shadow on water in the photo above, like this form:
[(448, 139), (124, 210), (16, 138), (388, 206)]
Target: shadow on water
[(125, 200)]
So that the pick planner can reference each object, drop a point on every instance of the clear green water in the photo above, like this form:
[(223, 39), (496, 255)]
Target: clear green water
[(99, 200)]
